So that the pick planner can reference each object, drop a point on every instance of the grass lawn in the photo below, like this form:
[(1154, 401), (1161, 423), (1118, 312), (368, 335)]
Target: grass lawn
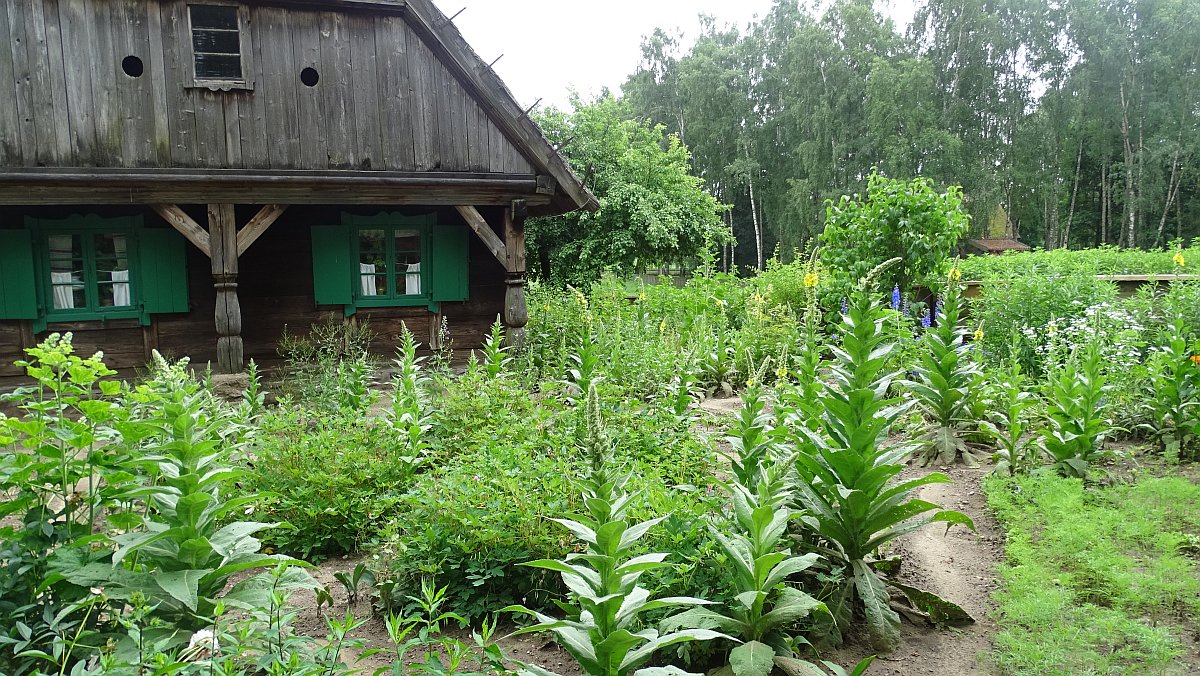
[(1102, 580)]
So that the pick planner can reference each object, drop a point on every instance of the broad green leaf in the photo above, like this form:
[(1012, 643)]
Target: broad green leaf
[(752, 659)]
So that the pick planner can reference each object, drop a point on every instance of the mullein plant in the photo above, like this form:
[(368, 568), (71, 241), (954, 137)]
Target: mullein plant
[(765, 609), (410, 416), (1011, 419), (1077, 421), (603, 630), (1173, 405), (845, 468), (941, 384)]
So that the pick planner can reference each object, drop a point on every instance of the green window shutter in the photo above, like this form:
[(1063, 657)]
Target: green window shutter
[(449, 277), (18, 284), (162, 269), (333, 278)]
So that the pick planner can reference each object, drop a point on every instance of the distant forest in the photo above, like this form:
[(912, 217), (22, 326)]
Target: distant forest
[(1068, 123)]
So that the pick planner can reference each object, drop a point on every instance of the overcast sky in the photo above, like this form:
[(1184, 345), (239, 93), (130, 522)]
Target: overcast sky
[(550, 46)]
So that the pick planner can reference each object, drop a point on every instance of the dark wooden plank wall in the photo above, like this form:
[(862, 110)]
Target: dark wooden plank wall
[(275, 289), (383, 101)]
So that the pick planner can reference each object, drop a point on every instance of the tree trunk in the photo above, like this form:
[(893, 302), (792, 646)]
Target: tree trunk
[(1172, 193), (758, 239), (1130, 206), (1065, 236), (1103, 204)]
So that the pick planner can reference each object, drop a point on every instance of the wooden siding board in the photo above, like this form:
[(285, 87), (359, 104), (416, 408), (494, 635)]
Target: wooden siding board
[(396, 96), (135, 118), (157, 72), (424, 120), (252, 107), (279, 86), (181, 113), (102, 71), (73, 20), (47, 12), (46, 115), (23, 99), (335, 84), (11, 153), (306, 53), (364, 89)]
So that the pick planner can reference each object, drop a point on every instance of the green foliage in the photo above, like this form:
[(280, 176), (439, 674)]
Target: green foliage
[(651, 209), (330, 368), (1102, 260), (909, 220), (335, 480), (1173, 398), (942, 385), (1011, 422), (1045, 306), (1077, 421), (1096, 579), (126, 534), (601, 630), (845, 466)]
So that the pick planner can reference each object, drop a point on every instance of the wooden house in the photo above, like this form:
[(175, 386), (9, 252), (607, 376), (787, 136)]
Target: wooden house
[(193, 175)]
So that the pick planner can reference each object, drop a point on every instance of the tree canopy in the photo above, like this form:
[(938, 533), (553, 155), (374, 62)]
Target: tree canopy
[(1080, 118), (652, 210)]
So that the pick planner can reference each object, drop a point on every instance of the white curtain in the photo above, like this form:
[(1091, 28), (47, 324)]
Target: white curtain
[(64, 296), (412, 279), (367, 272), (121, 288)]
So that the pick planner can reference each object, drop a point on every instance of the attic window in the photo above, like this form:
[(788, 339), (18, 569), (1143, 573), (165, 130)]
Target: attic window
[(218, 45)]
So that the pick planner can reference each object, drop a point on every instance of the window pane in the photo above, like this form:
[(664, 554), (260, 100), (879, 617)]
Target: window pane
[(218, 66), (66, 252), (372, 262), (219, 42), (214, 16), (70, 295), (408, 262)]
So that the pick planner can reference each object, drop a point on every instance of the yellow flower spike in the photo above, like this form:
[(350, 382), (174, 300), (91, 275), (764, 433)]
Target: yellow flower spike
[(978, 335), (781, 372), (750, 382), (1177, 259), (955, 274), (810, 280), (662, 328)]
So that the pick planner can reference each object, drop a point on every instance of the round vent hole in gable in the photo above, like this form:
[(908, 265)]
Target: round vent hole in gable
[(133, 66), (310, 77)]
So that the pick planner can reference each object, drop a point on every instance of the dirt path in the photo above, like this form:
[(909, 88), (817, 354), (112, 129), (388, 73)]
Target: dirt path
[(959, 566)]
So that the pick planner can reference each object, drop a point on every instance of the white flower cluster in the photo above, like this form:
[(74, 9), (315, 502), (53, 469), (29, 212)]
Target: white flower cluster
[(1117, 330)]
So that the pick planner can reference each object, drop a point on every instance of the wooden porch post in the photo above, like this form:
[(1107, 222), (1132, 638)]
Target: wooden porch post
[(516, 312), (223, 241)]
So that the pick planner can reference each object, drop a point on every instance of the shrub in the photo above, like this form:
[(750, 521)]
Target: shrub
[(909, 220)]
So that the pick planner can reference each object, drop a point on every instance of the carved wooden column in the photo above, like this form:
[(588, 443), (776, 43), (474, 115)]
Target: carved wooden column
[(222, 237), (516, 312)]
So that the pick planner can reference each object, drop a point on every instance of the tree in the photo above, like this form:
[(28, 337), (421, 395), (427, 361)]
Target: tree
[(652, 210)]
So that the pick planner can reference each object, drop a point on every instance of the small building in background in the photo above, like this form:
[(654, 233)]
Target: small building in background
[(1000, 237)]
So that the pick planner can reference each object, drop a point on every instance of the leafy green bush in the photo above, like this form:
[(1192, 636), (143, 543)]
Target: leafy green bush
[(334, 479), (909, 220)]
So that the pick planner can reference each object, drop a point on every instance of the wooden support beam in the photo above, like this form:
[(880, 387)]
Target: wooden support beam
[(256, 226), (187, 227), (222, 234), (516, 310), (475, 219)]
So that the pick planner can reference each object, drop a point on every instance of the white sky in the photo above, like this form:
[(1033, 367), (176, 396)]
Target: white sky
[(550, 46)]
